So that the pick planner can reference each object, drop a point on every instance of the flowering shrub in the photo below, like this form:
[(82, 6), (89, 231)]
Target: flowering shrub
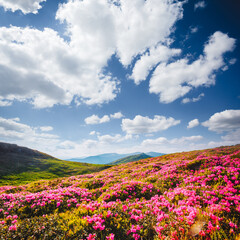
[(194, 195)]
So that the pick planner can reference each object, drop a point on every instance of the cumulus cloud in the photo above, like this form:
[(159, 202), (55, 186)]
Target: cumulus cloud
[(194, 29), (174, 80), (143, 24), (150, 59), (90, 26), (92, 133), (94, 119), (103, 144), (42, 68), (187, 100), (165, 145), (10, 126), (232, 61), (225, 121), (141, 124), (69, 145), (200, 5), (12, 130), (46, 128), (116, 115), (193, 123), (4, 103), (26, 6), (110, 139), (232, 137), (161, 140)]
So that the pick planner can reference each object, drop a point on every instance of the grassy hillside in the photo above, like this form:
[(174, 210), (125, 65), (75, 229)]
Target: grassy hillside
[(22, 165), (190, 195), (131, 158)]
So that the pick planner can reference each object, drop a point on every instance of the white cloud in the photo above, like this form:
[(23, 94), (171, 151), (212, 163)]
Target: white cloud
[(233, 137), (187, 100), (43, 69), (92, 133), (94, 119), (174, 80), (116, 115), (110, 139), (225, 121), (90, 26), (194, 29), (104, 144), (186, 139), (26, 6), (12, 125), (162, 140), (141, 124), (117, 138), (46, 128), (150, 59), (39, 66), (4, 103), (143, 24), (165, 145), (69, 145), (51, 71), (12, 130), (193, 123), (200, 5), (232, 61), (157, 141)]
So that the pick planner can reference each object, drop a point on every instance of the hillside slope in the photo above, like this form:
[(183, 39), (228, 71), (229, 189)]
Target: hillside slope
[(190, 195), (21, 164), (131, 158)]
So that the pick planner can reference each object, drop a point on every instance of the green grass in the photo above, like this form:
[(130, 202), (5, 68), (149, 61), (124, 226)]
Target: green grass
[(21, 165), (132, 158), (37, 169)]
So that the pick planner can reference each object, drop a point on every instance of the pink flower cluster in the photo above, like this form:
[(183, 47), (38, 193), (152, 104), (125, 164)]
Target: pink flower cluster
[(165, 197)]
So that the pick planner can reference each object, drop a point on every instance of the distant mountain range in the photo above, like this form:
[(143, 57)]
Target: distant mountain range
[(108, 158), (21, 165)]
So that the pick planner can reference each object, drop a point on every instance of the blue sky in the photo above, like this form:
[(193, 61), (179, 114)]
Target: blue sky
[(85, 77)]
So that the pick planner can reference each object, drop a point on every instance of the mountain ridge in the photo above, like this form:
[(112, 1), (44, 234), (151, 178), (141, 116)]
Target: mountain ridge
[(131, 158), (107, 158)]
